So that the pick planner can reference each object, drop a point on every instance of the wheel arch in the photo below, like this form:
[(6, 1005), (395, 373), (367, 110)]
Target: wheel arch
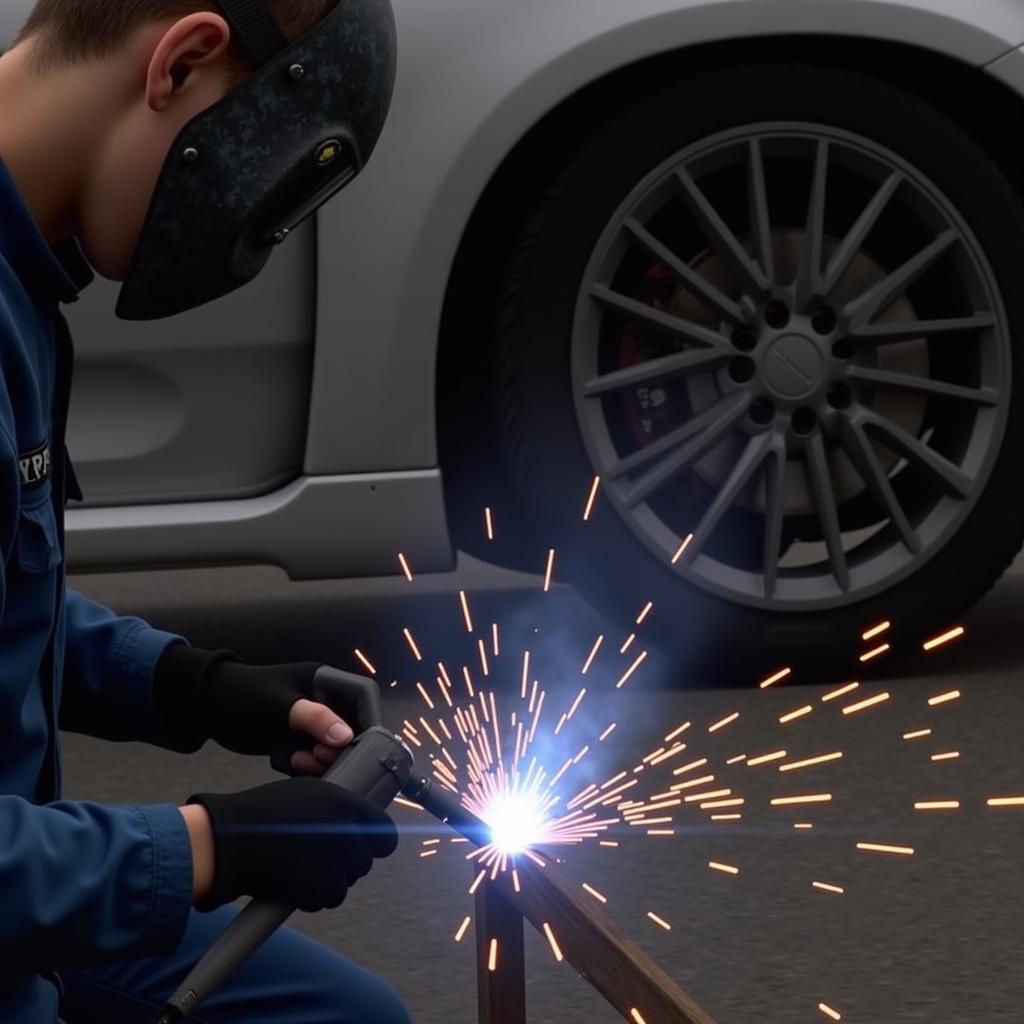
[(467, 432)]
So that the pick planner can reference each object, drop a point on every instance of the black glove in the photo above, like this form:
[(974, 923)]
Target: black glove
[(202, 695), (302, 842)]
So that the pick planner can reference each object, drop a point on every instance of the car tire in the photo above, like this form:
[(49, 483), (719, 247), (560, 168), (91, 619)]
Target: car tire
[(549, 459)]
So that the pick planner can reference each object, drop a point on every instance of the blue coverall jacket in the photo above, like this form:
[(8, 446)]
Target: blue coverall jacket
[(80, 883)]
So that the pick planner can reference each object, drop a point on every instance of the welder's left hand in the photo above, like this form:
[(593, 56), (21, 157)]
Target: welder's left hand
[(260, 709)]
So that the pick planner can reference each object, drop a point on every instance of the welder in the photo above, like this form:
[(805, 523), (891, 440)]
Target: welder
[(169, 145)]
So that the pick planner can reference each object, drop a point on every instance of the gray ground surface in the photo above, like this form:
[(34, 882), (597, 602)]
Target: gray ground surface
[(933, 937)]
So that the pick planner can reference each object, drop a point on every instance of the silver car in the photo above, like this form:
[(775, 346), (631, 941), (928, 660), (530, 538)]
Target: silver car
[(747, 273)]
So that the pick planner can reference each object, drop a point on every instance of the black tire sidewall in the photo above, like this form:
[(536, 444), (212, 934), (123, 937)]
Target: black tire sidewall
[(544, 453)]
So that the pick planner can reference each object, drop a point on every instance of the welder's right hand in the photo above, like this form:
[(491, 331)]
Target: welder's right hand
[(298, 841)]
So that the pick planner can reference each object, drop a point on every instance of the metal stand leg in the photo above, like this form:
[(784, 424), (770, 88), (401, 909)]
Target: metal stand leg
[(501, 992)]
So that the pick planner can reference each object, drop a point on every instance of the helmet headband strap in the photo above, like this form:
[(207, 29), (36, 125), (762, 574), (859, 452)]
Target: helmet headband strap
[(254, 26)]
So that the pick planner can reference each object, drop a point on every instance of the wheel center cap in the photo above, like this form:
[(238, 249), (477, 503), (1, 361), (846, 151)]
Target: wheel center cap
[(793, 366)]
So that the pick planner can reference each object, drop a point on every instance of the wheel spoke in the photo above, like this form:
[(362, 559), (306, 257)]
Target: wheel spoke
[(711, 434), (883, 293), (716, 301), (760, 219), (865, 461), (775, 510), (666, 322), (676, 365), (808, 277), (729, 408), (850, 245), (828, 514), (888, 380), (908, 330), (748, 274), (914, 450), (751, 457)]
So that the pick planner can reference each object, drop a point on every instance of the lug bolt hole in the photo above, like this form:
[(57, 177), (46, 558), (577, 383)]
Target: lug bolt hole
[(844, 348), (744, 339), (762, 411), (776, 314), (742, 369), (804, 421), (824, 320), (839, 396)]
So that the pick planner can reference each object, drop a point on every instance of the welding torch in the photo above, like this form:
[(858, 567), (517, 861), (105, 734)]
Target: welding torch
[(377, 765)]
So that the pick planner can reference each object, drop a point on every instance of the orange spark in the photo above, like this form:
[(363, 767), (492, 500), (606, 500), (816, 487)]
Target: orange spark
[(875, 630), (880, 848), (644, 613), (465, 611), (827, 887), (681, 550), (943, 638), (765, 758), (942, 698), (412, 644), (551, 941), (547, 572), (593, 652), (917, 735), (727, 868), (632, 668), (874, 652), (660, 921), (868, 702), (593, 892), (937, 805), (949, 755), (492, 959), (576, 703), (489, 523), (810, 798), (793, 765), (1006, 801), (590, 500), (676, 732), (405, 567), (362, 657), (842, 690), (829, 1012), (771, 680), (797, 713), (724, 722)]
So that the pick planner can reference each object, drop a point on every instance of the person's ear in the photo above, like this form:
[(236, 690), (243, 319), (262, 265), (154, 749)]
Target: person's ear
[(196, 41)]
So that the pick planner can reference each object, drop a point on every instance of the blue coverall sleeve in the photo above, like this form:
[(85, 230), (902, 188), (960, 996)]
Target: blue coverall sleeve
[(83, 884), (108, 676)]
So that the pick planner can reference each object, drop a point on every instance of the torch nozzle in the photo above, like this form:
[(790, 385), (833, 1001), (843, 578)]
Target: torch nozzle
[(446, 807)]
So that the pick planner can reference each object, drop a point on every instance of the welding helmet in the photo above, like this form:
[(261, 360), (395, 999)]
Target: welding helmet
[(245, 172)]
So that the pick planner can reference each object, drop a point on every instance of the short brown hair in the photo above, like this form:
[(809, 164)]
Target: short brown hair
[(71, 31)]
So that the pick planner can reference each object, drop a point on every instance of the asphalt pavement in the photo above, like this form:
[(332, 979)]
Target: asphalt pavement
[(931, 936)]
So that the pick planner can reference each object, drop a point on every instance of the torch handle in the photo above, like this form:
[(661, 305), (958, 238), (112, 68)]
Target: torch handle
[(377, 766)]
